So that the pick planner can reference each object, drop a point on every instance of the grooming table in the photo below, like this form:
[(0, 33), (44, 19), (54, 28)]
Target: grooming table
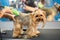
[(50, 32), (46, 34)]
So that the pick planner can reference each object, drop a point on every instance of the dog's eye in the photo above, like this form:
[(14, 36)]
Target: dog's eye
[(40, 15), (36, 15)]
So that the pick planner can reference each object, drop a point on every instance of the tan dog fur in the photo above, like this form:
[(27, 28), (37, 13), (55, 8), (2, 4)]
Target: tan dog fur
[(31, 20)]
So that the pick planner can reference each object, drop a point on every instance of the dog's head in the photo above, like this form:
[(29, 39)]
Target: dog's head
[(57, 6), (38, 15)]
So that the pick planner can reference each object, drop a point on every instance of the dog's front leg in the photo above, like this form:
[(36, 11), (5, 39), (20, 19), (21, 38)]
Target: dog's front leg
[(30, 32), (37, 32), (17, 30)]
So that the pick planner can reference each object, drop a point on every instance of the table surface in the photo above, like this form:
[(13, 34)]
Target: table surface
[(46, 34)]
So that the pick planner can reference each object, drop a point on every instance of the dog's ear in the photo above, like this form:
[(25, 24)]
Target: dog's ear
[(31, 15), (44, 12), (35, 10)]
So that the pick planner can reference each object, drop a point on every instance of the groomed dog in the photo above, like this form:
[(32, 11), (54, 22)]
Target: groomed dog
[(52, 12), (30, 20)]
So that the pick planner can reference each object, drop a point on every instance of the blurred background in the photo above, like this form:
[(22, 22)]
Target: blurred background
[(16, 4), (5, 24)]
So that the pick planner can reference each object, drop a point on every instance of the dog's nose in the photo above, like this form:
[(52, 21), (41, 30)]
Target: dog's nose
[(38, 19)]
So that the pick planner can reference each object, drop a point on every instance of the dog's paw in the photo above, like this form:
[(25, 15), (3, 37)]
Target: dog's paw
[(31, 36), (38, 32), (15, 35)]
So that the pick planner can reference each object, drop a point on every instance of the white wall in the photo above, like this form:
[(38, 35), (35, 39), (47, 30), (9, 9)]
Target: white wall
[(49, 25)]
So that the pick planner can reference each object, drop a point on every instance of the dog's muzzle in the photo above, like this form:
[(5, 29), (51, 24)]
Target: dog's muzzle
[(39, 19)]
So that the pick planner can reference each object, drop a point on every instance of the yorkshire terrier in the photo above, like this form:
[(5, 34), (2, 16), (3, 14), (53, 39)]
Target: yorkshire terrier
[(30, 20)]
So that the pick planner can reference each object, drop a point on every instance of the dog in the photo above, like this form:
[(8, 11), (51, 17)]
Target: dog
[(30, 20), (52, 12)]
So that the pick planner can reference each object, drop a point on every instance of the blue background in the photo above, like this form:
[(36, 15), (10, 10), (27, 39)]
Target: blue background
[(5, 2)]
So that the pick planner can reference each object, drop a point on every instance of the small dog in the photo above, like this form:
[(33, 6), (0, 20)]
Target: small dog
[(31, 20), (52, 12)]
